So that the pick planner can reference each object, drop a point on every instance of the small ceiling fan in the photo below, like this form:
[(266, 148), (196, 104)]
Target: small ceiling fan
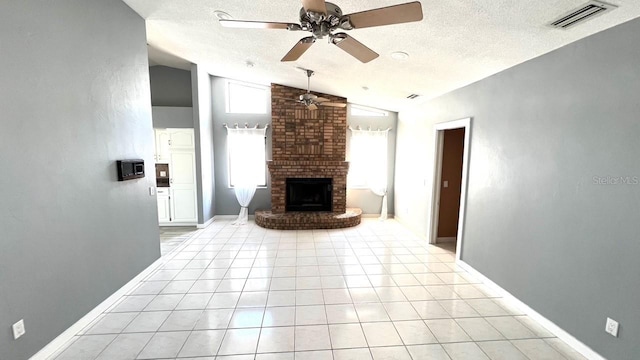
[(324, 18), (310, 100)]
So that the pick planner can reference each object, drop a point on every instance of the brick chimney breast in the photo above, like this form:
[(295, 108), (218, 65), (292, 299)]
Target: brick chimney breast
[(307, 144)]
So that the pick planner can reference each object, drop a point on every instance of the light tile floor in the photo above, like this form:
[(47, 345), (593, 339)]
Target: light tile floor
[(172, 237), (375, 291)]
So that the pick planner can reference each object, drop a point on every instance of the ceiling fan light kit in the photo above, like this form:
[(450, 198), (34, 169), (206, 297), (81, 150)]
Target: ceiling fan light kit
[(322, 19)]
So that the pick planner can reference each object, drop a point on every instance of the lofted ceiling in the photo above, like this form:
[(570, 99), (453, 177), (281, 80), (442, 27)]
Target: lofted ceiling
[(457, 43)]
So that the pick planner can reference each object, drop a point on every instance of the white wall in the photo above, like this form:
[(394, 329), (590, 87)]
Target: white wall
[(414, 169)]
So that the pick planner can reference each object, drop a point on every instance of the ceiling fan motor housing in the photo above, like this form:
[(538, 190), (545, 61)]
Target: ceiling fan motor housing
[(308, 97), (321, 24)]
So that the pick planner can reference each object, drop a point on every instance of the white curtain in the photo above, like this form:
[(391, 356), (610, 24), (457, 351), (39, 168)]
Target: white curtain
[(246, 148), (369, 158)]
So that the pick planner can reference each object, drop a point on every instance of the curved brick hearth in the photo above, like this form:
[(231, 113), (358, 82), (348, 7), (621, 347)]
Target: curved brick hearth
[(295, 220)]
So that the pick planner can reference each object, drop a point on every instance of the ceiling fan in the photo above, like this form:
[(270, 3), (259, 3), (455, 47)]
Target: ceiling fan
[(324, 18), (310, 100)]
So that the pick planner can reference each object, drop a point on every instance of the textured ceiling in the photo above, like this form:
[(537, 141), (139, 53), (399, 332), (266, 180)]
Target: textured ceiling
[(458, 42)]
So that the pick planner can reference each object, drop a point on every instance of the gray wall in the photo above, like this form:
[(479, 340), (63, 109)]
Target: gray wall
[(203, 129), (170, 87), (74, 98), (369, 202), (539, 222), (226, 202), (172, 117)]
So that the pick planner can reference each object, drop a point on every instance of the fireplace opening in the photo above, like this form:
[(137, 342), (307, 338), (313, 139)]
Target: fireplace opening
[(309, 194)]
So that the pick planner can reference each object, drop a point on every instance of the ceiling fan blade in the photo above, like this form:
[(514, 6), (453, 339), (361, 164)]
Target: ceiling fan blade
[(332, 104), (321, 99), (395, 14), (354, 47), (299, 49), (312, 106), (317, 6), (258, 25)]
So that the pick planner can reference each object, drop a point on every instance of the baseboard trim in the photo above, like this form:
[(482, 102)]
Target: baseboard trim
[(175, 224), (225, 217), (556, 330), (206, 223), (54, 346), (372, 216)]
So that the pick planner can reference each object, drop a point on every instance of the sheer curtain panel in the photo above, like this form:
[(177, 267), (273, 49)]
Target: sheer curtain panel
[(368, 150), (246, 148)]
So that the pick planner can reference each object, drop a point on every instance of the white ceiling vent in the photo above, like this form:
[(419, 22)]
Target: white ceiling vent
[(581, 14)]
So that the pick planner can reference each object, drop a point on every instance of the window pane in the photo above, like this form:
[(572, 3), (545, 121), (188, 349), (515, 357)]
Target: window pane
[(368, 159), (247, 159), (246, 99), (357, 176)]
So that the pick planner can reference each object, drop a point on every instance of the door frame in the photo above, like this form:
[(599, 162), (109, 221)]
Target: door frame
[(439, 129)]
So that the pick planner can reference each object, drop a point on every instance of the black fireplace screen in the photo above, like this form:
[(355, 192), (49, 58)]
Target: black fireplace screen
[(309, 194)]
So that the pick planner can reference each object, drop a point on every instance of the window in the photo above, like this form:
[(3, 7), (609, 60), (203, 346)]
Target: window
[(368, 159), (247, 156), (357, 110), (245, 98)]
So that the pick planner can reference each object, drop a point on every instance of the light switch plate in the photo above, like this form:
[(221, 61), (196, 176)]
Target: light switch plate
[(612, 327), (446, 183), (18, 329), (152, 190)]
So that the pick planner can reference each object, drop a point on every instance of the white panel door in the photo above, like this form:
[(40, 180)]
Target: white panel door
[(183, 186)]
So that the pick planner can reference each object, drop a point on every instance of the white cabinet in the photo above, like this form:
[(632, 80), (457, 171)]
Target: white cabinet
[(181, 138), (176, 147), (168, 140), (162, 146), (164, 207)]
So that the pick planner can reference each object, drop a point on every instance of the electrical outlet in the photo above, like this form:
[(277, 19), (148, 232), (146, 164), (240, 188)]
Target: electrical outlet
[(152, 190), (18, 329), (612, 327)]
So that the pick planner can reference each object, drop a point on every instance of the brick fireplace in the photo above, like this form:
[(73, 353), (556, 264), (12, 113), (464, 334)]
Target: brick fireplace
[(307, 144)]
